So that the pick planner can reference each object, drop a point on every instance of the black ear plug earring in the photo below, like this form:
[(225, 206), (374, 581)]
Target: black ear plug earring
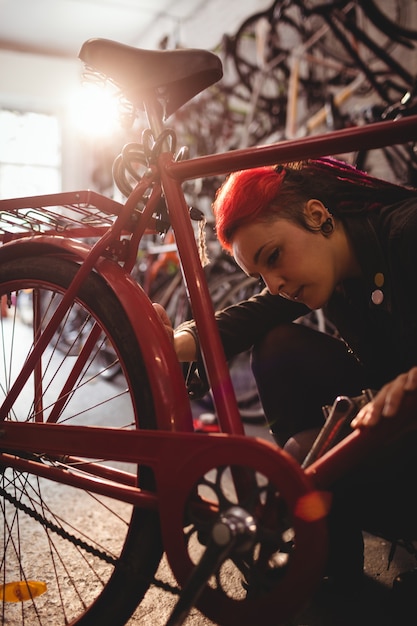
[(327, 227)]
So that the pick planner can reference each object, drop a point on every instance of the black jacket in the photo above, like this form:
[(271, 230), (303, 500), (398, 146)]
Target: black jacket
[(382, 336)]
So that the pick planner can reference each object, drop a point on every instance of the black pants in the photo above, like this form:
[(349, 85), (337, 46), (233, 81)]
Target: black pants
[(298, 370)]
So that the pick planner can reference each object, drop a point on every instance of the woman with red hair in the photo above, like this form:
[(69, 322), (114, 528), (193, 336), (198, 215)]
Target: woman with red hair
[(322, 235)]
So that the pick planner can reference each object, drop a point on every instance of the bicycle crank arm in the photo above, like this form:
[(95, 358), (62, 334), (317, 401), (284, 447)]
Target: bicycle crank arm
[(234, 531)]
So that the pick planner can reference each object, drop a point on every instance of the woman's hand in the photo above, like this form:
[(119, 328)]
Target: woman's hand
[(388, 400), (165, 320), (183, 341)]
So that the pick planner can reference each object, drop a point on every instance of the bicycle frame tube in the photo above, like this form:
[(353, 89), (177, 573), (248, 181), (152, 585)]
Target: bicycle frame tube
[(368, 137), (163, 450), (211, 348)]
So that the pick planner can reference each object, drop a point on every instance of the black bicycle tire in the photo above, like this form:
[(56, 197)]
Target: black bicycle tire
[(247, 77), (142, 548), (377, 19), (376, 46), (393, 163), (396, 30)]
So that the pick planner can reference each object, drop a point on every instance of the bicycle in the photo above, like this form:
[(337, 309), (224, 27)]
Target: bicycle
[(401, 158), (293, 56), (164, 487)]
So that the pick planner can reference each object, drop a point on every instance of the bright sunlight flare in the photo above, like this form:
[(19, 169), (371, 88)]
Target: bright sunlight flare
[(94, 110)]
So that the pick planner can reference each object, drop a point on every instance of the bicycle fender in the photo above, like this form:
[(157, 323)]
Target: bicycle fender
[(172, 405), (165, 375), (41, 245)]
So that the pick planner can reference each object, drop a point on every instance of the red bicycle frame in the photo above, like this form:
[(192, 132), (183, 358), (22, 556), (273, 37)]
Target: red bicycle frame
[(172, 406), (173, 445)]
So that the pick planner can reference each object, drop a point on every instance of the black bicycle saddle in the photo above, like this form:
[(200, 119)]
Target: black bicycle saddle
[(175, 76)]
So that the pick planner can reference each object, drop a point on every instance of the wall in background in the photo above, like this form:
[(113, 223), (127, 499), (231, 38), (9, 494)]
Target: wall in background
[(44, 83)]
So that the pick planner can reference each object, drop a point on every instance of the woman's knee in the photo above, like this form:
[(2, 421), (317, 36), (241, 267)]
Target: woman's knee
[(279, 347), (298, 370), (296, 351)]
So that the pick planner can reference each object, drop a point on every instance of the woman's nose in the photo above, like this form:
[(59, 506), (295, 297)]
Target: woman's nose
[(274, 284)]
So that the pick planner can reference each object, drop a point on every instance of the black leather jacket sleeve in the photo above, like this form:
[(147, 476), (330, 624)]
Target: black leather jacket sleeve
[(242, 325)]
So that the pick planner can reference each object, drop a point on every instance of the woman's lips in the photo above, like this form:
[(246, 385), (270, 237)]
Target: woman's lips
[(295, 296)]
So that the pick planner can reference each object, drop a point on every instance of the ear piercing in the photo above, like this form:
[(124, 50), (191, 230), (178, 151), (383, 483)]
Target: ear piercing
[(327, 227)]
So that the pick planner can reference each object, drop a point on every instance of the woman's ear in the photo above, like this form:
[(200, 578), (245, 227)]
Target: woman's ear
[(316, 213)]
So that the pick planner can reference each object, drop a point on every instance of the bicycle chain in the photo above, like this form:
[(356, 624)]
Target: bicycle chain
[(57, 529), (76, 541)]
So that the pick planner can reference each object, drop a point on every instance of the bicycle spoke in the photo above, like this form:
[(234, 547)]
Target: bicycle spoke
[(60, 537)]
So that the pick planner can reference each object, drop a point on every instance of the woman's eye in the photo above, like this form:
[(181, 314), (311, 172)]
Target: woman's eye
[(273, 257)]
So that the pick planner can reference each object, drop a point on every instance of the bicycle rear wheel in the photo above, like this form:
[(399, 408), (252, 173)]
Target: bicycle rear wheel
[(96, 556)]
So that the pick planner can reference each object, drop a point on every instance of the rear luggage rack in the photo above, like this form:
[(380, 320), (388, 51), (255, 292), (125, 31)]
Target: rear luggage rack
[(74, 214)]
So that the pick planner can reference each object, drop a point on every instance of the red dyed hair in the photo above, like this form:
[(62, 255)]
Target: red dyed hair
[(265, 193), (244, 198)]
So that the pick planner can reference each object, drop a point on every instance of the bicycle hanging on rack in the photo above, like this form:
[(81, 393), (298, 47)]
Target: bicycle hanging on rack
[(135, 453), (294, 55)]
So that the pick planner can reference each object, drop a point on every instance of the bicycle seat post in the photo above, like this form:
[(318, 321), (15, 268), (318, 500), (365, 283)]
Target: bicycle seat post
[(155, 116)]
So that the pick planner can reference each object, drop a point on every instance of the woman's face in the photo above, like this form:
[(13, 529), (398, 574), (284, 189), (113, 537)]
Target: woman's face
[(293, 262)]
